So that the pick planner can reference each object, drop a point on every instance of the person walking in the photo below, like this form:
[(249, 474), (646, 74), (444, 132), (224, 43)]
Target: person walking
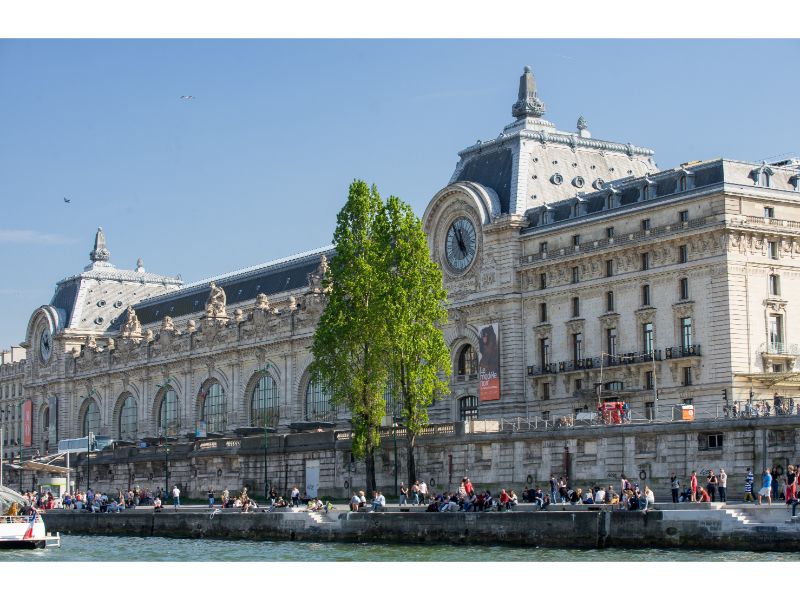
[(295, 496), (210, 498), (176, 497), (766, 487), (675, 486), (423, 490), (711, 487), (403, 494), (748, 485), (415, 493), (723, 485)]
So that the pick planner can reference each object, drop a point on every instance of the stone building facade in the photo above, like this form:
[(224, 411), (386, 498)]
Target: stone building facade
[(596, 276)]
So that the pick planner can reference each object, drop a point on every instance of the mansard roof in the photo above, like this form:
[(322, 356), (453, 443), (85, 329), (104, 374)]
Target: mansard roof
[(279, 276)]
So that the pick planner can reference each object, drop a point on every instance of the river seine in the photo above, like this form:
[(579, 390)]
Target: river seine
[(81, 548)]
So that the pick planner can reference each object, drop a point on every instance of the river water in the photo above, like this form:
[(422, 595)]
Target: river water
[(81, 548)]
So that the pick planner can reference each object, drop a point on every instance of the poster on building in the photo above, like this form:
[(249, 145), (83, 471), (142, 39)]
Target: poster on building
[(489, 363), (27, 423), (200, 429), (52, 430)]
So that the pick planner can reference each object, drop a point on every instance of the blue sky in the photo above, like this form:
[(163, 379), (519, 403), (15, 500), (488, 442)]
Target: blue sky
[(257, 166)]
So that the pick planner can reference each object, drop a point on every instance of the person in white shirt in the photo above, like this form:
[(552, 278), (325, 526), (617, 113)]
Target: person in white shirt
[(295, 496), (722, 488), (379, 501), (423, 490), (600, 496), (176, 497)]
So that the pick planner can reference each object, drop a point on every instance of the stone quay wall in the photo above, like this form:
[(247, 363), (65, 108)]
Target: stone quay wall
[(490, 456), (687, 529)]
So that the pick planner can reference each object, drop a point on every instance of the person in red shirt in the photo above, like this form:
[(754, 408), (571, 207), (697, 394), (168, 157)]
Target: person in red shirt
[(694, 486), (703, 495), (468, 486), (505, 499)]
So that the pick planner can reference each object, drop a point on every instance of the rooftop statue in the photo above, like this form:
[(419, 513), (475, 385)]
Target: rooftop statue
[(131, 327), (215, 307)]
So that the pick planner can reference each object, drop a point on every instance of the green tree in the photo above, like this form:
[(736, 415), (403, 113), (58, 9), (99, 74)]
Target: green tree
[(413, 302), (349, 345)]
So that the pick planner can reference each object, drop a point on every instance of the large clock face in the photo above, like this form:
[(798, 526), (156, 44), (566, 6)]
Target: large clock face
[(461, 244), (45, 345)]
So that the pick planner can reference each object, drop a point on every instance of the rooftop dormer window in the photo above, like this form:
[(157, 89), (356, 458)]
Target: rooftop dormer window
[(762, 175)]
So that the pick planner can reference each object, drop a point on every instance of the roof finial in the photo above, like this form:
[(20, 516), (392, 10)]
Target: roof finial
[(139, 265), (528, 103), (100, 252)]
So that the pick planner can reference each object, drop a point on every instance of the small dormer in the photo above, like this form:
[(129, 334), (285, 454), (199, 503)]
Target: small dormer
[(612, 196), (795, 181), (685, 180), (648, 189), (762, 175)]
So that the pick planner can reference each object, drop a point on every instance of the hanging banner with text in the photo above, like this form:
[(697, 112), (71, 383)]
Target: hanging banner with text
[(52, 429), (489, 364), (27, 423)]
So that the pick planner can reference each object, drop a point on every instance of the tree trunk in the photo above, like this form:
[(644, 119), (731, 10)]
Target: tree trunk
[(412, 465), (369, 461)]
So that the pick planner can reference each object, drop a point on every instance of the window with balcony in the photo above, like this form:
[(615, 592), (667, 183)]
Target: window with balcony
[(609, 301), (576, 240), (683, 215), (772, 250), (645, 224), (769, 212), (683, 253), (544, 353), (542, 312), (576, 275), (610, 232), (646, 294), (774, 285), (577, 347), (776, 333), (543, 247), (609, 268), (576, 306), (686, 333), (647, 338), (611, 341), (645, 261), (683, 288)]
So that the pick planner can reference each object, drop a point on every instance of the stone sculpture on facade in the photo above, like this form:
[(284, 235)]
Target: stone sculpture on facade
[(168, 324), (262, 302), (132, 328), (316, 280), (215, 306)]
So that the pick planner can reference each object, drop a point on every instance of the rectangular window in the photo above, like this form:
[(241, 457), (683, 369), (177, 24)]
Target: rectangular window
[(542, 312), (683, 253), (546, 415), (576, 240), (687, 375), (649, 380), (576, 274), (609, 301), (646, 295), (609, 268), (769, 212), (709, 441), (577, 347), (645, 261), (776, 333), (468, 408), (645, 224), (578, 384), (684, 216), (683, 285), (611, 341), (542, 281), (774, 285), (545, 391), (650, 411), (543, 247), (610, 232), (647, 338), (544, 353), (772, 249), (576, 307), (686, 333)]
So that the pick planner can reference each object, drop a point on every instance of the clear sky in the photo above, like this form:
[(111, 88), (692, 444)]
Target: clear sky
[(257, 165)]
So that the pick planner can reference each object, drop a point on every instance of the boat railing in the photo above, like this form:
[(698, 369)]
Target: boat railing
[(15, 519)]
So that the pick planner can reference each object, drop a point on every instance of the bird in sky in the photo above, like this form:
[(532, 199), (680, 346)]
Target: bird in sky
[(187, 97), (67, 200)]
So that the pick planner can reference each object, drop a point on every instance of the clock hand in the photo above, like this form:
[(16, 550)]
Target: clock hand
[(460, 240)]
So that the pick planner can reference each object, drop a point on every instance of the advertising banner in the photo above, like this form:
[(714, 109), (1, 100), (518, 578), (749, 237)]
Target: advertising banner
[(52, 431), (489, 363), (27, 423)]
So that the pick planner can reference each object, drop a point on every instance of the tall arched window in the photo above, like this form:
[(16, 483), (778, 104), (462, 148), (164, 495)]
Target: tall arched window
[(46, 429), (467, 361), (318, 403), (91, 418), (168, 417), (128, 422), (213, 408), (264, 403)]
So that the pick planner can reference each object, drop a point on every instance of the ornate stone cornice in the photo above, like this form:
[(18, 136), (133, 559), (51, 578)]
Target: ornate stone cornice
[(609, 320), (645, 315), (683, 309)]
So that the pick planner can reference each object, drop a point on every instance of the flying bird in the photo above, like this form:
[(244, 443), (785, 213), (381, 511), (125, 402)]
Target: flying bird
[(67, 200), (187, 97)]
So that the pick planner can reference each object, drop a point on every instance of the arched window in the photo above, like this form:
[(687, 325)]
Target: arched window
[(467, 361), (46, 429), (214, 408), (127, 423), (682, 183), (264, 403), (91, 418), (168, 417), (318, 403)]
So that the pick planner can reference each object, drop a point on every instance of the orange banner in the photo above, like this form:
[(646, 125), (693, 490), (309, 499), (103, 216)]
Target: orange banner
[(27, 423)]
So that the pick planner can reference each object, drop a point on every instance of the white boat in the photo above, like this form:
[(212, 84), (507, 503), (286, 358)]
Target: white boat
[(22, 531)]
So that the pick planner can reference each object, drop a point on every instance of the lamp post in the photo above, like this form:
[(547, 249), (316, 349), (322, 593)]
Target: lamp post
[(166, 464)]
